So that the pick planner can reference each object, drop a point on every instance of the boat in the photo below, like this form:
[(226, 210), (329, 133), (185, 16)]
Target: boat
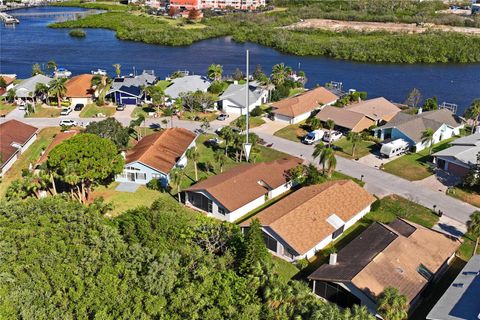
[(101, 72), (62, 73)]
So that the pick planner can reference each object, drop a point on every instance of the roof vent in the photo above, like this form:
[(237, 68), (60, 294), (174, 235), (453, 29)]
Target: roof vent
[(458, 285), (399, 270)]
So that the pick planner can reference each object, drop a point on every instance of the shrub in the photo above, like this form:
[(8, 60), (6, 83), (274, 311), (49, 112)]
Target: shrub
[(217, 87), (77, 33), (302, 264), (256, 112), (154, 184), (376, 205)]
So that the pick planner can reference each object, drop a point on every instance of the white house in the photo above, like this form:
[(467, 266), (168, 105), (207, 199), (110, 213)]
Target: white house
[(299, 107), (15, 138), (26, 88), (187, 84), (307, 220), (232, 194), (156, 155), (444, 124), (233, 100)]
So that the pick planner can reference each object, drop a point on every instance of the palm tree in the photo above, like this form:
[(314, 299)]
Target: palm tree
[(101, 85), (215, 72), (193, 155), (176, 175), (11, 94), (280, 72), (220, 158), (52, 66), (157, 95), (427, 138), (36, 69), (314, 123), (57, 88), (473, 227), (473, 112), (392, 305), (229, 136), (354, 138), (41, 90), (118, 69), (329, 124), (326, 157)]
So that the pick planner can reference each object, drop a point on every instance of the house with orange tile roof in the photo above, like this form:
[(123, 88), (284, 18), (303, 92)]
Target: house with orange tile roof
[(154, 156), (9, 80), (309, 219), (15, 138), (79, 89), (232, 194), (299, 107), (401, 254)]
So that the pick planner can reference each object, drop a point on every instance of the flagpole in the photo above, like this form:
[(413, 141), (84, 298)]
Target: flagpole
[(247, 98), (247, 146)]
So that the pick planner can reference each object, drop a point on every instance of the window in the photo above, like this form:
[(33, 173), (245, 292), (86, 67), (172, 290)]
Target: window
[(200, 201), (141, 176), (132, 168), (270, 242), (156, 176), (424, 272), (287, 252), (338, 232), (221, 210)]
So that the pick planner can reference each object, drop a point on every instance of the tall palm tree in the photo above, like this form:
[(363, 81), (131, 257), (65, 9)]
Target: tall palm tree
[(176, 175), (41, 90), (215, 72), (392, 305), (157, 95), (101, 85), (58, 88), (52, 66), (280, 72), (326, 157), (329, 124), (473, 112), (229, 136), (473, 227), (354, 138), (193, 155), (427, 138), (118, 69), (220, 158)]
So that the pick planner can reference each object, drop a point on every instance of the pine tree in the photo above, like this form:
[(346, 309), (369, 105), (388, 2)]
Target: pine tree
[(255, 251)]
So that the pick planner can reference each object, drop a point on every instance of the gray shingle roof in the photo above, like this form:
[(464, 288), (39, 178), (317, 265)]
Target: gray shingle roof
[(414, 125), (236, 94), (471, 140), (27, 86), (465, 154), (187, 84)]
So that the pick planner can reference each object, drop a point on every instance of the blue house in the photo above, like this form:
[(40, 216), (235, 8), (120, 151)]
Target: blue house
[(156, 155), (129, 90)]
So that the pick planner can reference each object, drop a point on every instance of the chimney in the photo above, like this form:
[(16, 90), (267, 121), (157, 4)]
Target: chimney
[(333, 259), (420, 110)]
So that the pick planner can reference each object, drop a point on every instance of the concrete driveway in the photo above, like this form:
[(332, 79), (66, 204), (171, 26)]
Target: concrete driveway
[(270, 127), (374, 160)]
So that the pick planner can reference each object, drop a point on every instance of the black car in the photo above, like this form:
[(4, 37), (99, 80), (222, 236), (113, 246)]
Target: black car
[(78, 107)]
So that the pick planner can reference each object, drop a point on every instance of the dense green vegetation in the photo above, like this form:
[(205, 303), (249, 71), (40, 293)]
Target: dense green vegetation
[(62, 260), (77, 33), (266, 29)]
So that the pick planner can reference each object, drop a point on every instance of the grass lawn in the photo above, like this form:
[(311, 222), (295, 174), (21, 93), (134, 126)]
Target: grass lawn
[(45, 112), (198, 116), (293, 132), (414, 166), (253, 122), (465, 195), (284, 269), (144, 110), (295, 91), (31, 155), (91, 110), (123, 201), (5, 108), (344, 148)]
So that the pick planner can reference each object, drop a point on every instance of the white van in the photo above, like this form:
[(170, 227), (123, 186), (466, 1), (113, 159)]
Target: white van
[(313, 136), (394, 148)]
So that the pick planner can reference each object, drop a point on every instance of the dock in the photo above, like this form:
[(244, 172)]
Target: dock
[(8, 19)]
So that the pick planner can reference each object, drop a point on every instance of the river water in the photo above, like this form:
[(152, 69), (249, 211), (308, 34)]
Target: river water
[(31, 42)]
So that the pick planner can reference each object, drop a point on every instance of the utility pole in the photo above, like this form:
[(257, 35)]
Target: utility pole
[(247, 146)]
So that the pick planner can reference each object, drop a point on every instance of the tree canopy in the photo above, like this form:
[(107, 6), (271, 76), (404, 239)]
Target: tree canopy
[(112, 130)]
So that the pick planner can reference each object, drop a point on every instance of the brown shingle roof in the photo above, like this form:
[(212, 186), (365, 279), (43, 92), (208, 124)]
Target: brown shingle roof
[(238, 186), (345, 118), (304, 102), (393, 262), (80, 86), (161, 150), (59, 138), (301, 218), (13, 131), (376, 109)]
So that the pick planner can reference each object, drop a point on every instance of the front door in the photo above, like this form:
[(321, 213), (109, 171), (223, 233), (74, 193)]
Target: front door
[(131, 176)]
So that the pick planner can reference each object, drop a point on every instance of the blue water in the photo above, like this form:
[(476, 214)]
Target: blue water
[(31, 42)]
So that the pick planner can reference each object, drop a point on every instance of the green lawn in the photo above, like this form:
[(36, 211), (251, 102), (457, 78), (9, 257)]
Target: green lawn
[(253, 122), (345, 148), (284, 269), (295, 91), (143, 110), (466, 195), (293, 132), (45, 112), (414, 166), (5, 108), (31, 155), (198, 116), (91, 110), (123, 201)]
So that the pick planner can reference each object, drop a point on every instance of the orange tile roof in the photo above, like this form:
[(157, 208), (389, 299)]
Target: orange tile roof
[(8, 80), (304, 102), (59, 138), (80, 86), (238, 186), (13, 131), (300, 219), (161, 150)]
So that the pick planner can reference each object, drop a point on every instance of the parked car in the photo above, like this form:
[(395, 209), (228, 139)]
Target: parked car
[(68, 122), (313, 136), (223, 117), (120, 107), (65, 111), (78, 107), (332, 136), (199, 131), (394, 148)]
